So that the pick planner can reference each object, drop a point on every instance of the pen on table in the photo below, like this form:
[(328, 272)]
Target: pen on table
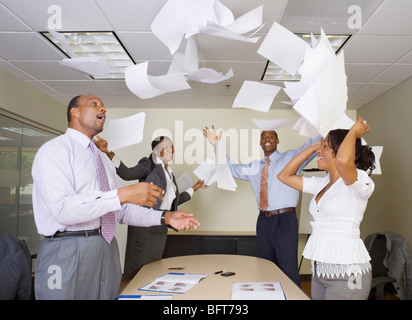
[(217, 272), (176, 268)]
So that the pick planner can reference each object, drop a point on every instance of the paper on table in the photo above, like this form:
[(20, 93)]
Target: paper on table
[(206, 171), (223, 175), (184, 182), (174, 282), (145, 86), (283, 48), (268, 125), (126, 131), (257, 291), (256, 96)]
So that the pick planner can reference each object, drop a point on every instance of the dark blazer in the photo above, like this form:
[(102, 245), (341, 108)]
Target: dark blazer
[(15, 269), (147, 171)]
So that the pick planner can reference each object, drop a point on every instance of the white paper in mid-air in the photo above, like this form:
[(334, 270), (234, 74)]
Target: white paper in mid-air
[(224, 177), (325, 100), (256, 96), (184, 182), (187, 65), (94, 66), (305, 128), (269, 125), (184, 18), (283, 48), (206, 171), (126, 131), (315, 59), (146, 86)]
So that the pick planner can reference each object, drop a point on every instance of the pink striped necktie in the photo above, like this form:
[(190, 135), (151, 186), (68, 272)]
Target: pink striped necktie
[(264, 186), (108, 221)]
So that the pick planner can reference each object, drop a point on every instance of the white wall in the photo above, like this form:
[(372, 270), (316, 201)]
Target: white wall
[(389, 208), (216, 209)]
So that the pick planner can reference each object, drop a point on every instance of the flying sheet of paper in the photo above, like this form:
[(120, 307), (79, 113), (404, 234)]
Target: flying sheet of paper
[(315, 59), (217, 30), (377, 150), (207, 75), (185, 18), (325, 100), (305, 128), (256, 96), (206, 171), (283, 48), (184, 182), (126, 131), (223, 175), (187, 65), (268, 125), (146, 86), (96, 66)]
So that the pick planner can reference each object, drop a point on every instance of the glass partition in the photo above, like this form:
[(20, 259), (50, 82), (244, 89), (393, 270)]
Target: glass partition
[(19, 143)]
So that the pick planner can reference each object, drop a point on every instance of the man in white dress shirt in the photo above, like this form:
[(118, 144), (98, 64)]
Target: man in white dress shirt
[(74, 260)]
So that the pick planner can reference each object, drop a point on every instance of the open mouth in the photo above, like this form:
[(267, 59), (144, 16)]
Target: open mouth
[(101, 117)]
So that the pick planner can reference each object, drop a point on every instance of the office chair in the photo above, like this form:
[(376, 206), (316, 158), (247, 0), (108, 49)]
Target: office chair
[(382, 283), (15, 269)]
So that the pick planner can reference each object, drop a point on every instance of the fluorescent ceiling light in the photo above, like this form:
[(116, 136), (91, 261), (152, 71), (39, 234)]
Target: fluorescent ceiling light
[(275, 73), (26, 131), (97, 44)]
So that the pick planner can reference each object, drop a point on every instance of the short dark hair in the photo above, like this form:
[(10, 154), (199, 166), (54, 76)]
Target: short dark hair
[(72, 104)]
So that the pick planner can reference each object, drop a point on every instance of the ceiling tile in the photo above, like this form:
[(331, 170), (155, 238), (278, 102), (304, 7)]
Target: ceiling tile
[(377, 49), (392, 18), (362, 73), (49, 70), (144, 46), (15, 71), (395, 74), (373, 89), (306, 16), (76, 15), (9, 22), (27, 46), (127, 15), (75, 87)]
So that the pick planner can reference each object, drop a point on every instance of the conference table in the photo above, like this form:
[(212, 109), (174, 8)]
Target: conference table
[(215, 286)]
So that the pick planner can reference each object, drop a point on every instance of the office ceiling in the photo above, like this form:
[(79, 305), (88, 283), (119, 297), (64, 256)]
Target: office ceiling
[(378, 56)]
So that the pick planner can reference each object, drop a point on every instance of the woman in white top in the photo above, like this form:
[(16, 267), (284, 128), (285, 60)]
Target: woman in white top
[(341, 267)]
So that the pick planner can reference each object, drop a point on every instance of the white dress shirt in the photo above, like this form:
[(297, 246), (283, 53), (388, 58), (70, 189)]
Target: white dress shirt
[(66, 195)]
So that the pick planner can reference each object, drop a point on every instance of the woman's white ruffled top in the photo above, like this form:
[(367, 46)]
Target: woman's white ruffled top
[(335, 243)]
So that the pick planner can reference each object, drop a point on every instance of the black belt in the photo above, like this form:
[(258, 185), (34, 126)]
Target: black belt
[(80, 233), (276, 212)]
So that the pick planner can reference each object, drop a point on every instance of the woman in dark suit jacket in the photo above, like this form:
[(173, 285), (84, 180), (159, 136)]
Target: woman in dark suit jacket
[(146, 244)]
